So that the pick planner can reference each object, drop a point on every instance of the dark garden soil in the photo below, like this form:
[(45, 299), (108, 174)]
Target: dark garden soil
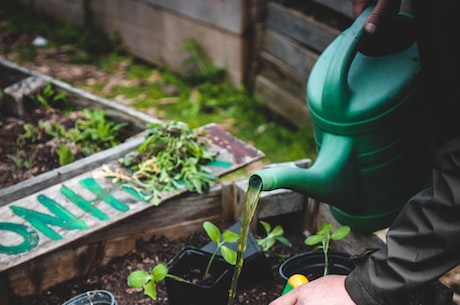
[(112, 277), (21, 162), (23, 159)]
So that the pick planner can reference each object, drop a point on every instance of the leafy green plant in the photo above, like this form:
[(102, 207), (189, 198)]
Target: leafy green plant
[(65, 154), (220, 239), (97, 131), (49, 97), (323, 237), (148, 281), (273, 235), (171, 157), (20, 162), (30, 134)]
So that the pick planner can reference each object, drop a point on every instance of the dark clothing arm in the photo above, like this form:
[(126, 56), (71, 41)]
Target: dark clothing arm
[(422, 244)]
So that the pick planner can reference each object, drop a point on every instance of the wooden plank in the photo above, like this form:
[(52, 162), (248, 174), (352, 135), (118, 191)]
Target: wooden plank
[(228, 15), (14, 94), (157, 36), (299, 27), (343, 7), (282, 102), (29, 230), (289, 52), (282, 75)]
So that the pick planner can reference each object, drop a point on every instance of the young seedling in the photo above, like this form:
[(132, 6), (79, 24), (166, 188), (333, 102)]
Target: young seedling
[(273, 235), (149, 281), (323, 237), (215, 235)]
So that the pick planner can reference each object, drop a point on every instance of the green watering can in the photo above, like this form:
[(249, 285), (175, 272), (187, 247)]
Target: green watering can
[(371, 126)]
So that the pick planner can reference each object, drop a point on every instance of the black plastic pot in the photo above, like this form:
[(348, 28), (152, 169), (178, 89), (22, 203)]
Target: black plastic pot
[(198, 293), (93, 297), (311, 264), (255, 265)]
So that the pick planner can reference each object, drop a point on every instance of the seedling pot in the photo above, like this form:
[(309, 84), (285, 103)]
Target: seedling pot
[(255, 265), (93, 297), (198, 292), (311, 264)]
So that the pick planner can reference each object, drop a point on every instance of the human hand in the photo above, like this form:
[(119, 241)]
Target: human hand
[(326, 290), (382, 11)]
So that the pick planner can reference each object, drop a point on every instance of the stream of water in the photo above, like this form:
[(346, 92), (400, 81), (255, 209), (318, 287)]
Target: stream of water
[(249, 207)]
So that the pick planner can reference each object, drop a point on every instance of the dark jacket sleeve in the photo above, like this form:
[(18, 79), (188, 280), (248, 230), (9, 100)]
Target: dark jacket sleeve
[(422, 244)]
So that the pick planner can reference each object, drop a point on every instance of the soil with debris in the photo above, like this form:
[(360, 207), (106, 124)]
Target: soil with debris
[(27, 149), (22, 160), (112, 277)]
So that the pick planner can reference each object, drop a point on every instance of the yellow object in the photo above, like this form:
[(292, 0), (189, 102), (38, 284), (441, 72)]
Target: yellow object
[(294, 281)]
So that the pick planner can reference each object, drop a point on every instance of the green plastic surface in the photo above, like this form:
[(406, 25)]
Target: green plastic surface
[(371, 125)]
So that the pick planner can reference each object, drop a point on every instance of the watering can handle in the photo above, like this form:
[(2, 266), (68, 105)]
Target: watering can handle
[(336, 91)]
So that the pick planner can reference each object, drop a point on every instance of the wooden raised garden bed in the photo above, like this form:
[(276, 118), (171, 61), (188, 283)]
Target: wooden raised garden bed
[(17, 83)]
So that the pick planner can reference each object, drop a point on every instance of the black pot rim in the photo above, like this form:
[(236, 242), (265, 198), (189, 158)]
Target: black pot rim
[(337, 259)]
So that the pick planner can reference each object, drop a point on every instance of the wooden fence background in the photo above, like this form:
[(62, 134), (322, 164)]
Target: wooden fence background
[(270, 46)]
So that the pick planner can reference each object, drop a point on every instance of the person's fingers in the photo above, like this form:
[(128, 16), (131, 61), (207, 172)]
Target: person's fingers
[(383, 10), (359, 6)]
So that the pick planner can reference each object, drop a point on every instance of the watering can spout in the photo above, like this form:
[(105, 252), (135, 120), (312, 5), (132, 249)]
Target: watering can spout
[(333, 178)]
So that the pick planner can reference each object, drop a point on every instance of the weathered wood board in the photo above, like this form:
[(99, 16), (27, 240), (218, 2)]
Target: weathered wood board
[(343, 7), (290, 45), (154, 30), (80, 206), (283, 102), (157, 35), (227, 15), (304, 29)]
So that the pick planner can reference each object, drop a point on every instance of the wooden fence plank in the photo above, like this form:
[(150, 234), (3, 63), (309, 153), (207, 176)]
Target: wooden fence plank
[(341, 6), (285, 77), (299, 27), (282, 102), (158, 35), (226, 15), (289, 52)]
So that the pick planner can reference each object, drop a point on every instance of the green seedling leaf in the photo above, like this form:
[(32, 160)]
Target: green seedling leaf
[(138, 278), (159, 272), (277, 231), (313, 239), (266, 226), (231, 237), (212, 231), (284, 241), (273, 235), (229, 255), (65, 154), (150, 289), (341, 233)]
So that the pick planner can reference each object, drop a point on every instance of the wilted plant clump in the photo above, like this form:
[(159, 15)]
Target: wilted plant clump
[(171, 157)]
